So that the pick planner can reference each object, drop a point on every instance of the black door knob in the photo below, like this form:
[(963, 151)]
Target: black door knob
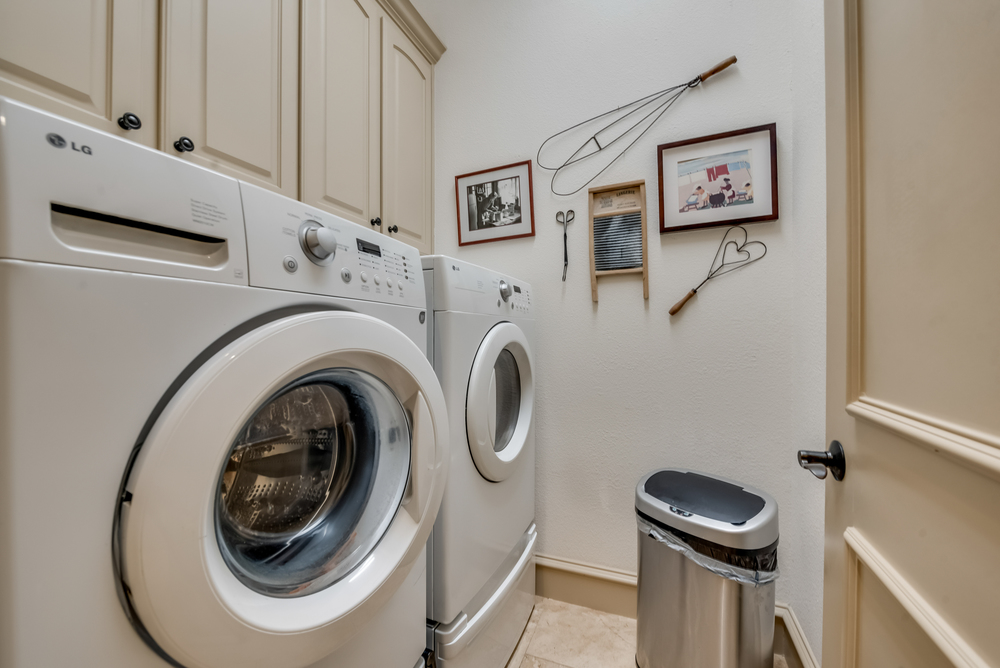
[(377, 222), (183, 145), (129, 121), (392, 228), (817, 463)]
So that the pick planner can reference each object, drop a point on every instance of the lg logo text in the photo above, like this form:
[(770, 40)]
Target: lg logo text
[(59, 142)]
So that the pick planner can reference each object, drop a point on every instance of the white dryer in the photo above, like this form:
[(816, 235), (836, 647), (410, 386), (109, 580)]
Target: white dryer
[(221, 443), (481, 572)]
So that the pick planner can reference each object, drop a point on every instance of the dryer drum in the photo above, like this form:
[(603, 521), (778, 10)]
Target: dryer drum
[(302, 491)]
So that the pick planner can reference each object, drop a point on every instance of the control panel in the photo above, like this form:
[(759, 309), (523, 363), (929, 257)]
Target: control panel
[(292, 246), (469, 288)]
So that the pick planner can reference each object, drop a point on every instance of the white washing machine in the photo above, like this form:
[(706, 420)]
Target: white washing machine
[(221, 443), (481, 570)]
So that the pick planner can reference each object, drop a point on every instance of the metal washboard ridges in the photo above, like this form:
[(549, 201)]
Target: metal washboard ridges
[(618, 233)]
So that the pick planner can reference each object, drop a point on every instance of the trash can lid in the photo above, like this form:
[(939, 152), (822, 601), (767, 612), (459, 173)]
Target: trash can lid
[(710, 507)]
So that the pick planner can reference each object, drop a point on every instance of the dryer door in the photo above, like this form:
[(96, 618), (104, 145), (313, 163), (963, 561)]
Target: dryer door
[(284, 493), (500, 402)]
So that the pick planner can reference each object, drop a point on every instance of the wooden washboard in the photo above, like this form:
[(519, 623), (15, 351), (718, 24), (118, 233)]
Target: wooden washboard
[(618, 233)]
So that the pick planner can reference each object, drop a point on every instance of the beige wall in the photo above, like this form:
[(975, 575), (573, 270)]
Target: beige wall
[(735, 383)]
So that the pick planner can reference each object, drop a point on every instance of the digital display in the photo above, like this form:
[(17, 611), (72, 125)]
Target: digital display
[(371, 249), (517, 289)]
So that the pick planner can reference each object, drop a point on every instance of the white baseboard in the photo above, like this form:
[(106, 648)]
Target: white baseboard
[(802, 647), (589, 570)]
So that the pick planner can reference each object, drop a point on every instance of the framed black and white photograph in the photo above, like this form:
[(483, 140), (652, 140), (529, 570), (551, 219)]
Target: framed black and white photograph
[(725, 179), (495, 204)]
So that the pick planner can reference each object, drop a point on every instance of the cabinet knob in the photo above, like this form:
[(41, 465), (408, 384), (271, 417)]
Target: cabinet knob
[(377, 222), (129, 121), (393, 228), (183, 145)]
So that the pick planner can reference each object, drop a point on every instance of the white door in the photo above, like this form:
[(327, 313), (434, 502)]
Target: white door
[(913, 363), (500, 401), (283, 494), (230, 82), (90, 62), (407, 140), (341, 98)]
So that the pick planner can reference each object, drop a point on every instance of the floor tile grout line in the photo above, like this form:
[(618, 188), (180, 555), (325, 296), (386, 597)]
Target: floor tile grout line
[(538, 658)]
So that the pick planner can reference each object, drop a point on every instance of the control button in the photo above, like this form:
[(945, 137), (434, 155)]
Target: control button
[(378, 279), (290, 264), (345, 274), (388, 283), (505, 291), (364, 277)]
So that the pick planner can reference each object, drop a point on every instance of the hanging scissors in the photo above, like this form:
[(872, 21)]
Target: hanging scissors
[(565, 219)]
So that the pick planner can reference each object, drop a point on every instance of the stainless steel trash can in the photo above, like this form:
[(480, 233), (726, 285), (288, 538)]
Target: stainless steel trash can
[(708, 559)]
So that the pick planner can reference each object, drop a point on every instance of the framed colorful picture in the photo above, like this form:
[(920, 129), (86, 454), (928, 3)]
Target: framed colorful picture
[(495, 204), (725, 179)]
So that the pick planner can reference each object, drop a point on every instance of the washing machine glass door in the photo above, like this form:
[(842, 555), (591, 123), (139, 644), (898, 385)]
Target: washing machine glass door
[(500, 401), (312, 482), (283, 494)]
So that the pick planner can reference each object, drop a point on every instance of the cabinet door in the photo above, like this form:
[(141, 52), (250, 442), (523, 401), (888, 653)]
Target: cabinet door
[(340, 107), (406, 140), (87, 61), (230, 84)]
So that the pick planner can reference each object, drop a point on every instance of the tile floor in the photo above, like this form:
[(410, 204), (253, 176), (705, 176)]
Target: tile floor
[(562, 635)]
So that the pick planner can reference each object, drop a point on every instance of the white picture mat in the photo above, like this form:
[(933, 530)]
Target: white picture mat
[(524, 227), (759, 144)]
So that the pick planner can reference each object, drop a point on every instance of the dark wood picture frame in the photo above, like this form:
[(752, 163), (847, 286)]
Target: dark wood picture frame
[(772, 214), (525, 228)]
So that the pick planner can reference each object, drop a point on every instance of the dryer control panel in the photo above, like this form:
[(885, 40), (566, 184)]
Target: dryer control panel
[(292, 246), (469, 288)]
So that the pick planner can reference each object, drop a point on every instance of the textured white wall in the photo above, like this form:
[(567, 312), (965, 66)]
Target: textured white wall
[(735, 383)]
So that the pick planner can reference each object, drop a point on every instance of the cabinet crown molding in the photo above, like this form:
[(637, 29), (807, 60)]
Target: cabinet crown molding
[(413, 24)]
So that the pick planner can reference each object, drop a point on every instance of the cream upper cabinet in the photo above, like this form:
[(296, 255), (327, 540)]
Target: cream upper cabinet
[(327, 101), (407, 140), (230, 87), (366, 116), (341, 108), (91, 62)]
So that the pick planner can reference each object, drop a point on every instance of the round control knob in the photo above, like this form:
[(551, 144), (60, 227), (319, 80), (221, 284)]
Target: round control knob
[(318, 243), (388, 283), (505, 291), (184, 145), (378, 279), (364, 277), (129, 121)]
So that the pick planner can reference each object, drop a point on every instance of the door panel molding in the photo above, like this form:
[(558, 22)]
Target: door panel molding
[(941, 633), (854, 205), (973, 449)]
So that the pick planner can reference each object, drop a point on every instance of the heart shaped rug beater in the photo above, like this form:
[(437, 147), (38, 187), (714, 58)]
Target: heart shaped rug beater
[(735, 251)]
